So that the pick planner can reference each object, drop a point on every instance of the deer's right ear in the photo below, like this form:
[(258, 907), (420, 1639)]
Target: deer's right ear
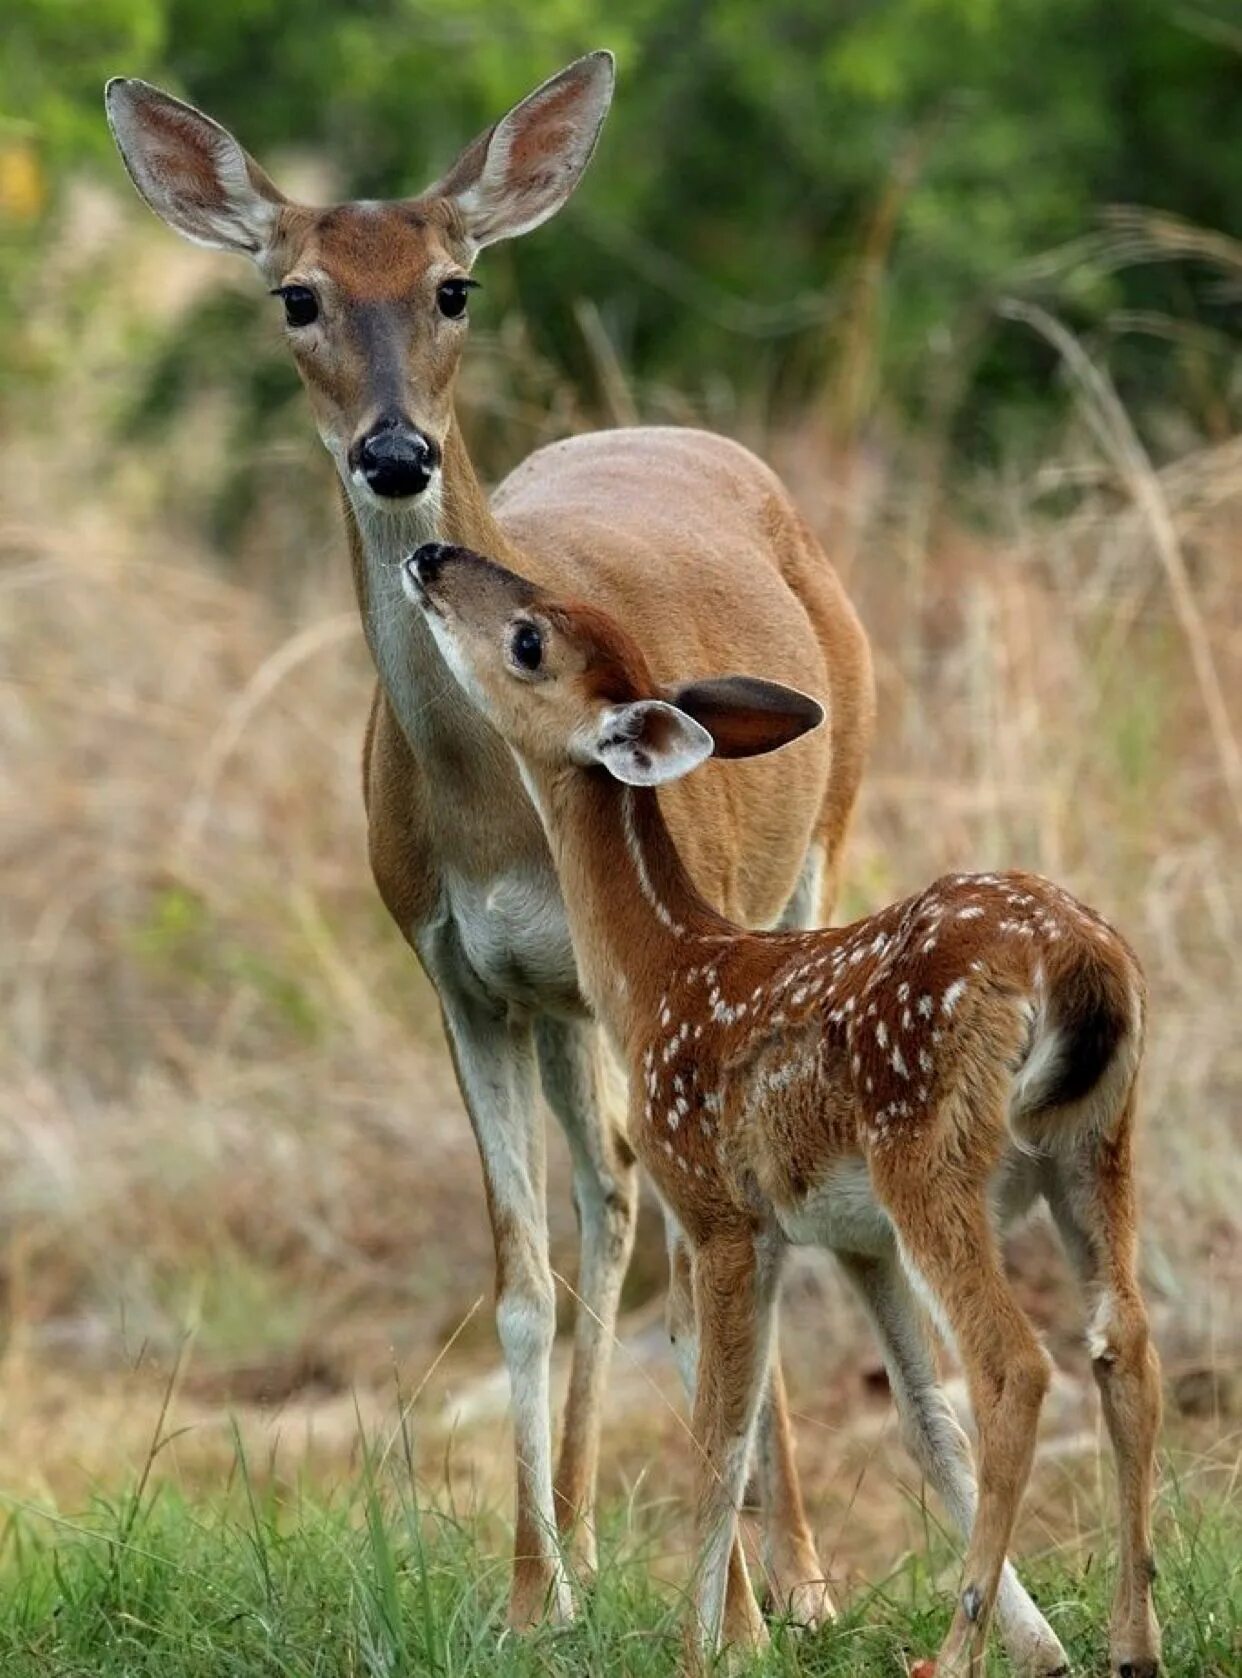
[(648, 742), (192, 172), (520, 172), (746, 716)]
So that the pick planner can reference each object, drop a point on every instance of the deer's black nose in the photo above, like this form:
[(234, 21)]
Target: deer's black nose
[(395, 460), (428, 560)]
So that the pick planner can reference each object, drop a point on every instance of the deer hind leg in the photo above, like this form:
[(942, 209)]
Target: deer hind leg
[(936, 1442), (606, 1202), (792, 1568), (1093, 1204), (948, 1248), (735, 1280), (495, 1062)]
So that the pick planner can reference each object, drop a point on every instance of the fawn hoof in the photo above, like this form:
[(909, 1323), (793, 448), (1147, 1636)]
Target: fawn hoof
[(742, 1639), (1146, 1667), (744, 1632), (796, 1589), (1051, 1665), (581, 1556), (549, 1604), (806, 1605), (1035, 1651)]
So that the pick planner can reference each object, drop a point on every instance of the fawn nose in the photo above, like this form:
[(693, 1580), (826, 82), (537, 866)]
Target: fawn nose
[(395, 460), (427, 561)]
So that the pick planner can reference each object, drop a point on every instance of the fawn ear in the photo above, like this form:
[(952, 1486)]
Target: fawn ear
[(192, 172), (520, 171), (745, 716), (648, 742)]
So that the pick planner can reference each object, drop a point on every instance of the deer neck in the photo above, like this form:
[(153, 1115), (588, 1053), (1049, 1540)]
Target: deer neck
[(419, 687), (634, 912)]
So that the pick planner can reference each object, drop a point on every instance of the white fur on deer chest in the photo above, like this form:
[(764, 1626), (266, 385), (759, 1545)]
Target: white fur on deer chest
[(513, 939)]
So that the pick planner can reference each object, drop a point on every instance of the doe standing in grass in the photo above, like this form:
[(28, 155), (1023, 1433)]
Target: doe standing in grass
[(666, 525), (890, 1090)]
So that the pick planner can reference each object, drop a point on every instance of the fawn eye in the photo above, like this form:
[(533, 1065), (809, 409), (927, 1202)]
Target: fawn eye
[(453, 295), (526, 646), (301, 304)]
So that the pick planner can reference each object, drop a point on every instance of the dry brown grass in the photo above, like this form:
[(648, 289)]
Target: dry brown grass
[(223, 1100)]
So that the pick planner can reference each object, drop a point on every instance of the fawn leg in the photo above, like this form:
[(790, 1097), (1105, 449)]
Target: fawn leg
[(739, 1612), (931, 1434), (793, 1570), (1093, 1203), (947, 1246), (735, 1279)]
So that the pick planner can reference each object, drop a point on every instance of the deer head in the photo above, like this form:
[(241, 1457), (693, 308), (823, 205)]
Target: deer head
[(565, 684), (374, 294)]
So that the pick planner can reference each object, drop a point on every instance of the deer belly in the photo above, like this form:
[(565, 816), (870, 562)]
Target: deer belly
[(839, 1212), (513, 939)]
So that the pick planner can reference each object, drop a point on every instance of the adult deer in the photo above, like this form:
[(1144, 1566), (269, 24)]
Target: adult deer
[(890, 1090), (672, 528)]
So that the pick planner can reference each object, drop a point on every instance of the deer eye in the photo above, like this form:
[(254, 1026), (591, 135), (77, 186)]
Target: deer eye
[(301, 304), (453, 295), (526, 646)]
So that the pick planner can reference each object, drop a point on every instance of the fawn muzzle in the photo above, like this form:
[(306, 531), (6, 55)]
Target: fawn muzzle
[(423, 569), (457, 581)]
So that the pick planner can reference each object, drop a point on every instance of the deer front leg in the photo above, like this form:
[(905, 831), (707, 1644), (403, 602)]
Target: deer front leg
[(494, 1056), (606, 1201), (739, 1611), (793, 1571), (735, 1277)]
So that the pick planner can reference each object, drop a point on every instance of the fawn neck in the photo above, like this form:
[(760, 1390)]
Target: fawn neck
[(633, 908), (421, 690)]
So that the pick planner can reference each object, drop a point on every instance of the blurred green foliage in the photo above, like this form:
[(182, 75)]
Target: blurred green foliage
[(180, 935), (805, 200)]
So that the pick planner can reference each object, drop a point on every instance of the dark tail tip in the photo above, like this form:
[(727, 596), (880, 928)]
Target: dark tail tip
[(1091, 1009)]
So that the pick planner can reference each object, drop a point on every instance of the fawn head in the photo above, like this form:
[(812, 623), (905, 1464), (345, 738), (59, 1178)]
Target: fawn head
[(374, 294), (566, 685)]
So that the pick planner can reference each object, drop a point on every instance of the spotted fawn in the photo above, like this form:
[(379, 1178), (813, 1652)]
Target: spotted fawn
[(897, 1091)]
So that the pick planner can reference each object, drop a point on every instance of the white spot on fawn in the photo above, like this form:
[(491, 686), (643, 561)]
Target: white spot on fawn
[(951, 997)]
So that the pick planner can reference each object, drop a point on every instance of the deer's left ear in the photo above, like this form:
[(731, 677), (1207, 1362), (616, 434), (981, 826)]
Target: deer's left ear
[(520, 172), (648, 742), (745, 716)]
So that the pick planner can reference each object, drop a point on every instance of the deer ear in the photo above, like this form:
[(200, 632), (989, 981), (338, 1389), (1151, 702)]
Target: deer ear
[(192, 172), (522, 170), (745, 716), (649, 742)]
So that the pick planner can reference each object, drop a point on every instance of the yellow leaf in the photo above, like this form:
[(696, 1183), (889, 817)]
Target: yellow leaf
[(22, 188)]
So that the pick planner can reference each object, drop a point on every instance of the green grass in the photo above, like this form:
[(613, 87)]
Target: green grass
[(375, 1583)]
